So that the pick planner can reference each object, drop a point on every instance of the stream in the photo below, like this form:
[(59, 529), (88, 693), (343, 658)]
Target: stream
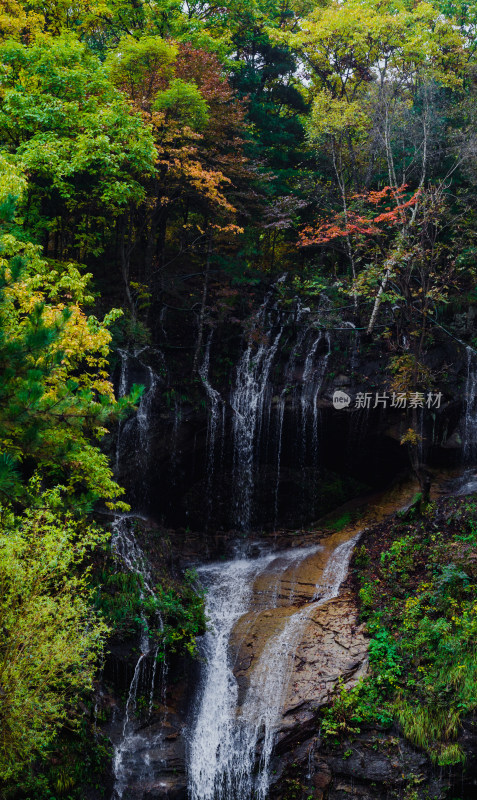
[(269, 599), (227, 731), (282, 627)]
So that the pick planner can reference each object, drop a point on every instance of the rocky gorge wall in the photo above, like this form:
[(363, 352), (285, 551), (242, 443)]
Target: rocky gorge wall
[(258, 445), (293, 670), (254, 441)]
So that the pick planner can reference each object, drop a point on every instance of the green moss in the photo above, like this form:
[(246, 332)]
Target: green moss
[(180, 604), (340, 522)]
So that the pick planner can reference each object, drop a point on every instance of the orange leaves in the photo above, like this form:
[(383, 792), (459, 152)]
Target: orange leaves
[(204, 167), (328, 231), (377, 197), (357, 224)]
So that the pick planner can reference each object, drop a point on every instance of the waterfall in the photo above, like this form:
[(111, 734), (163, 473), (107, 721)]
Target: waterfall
[(354, 357), (288, 383), (248, 402), (312, 382), (335, 571), (123, 376), (226, 737), (470, 414), (131, 752), (174, 440), (214, 418), (134, 434), (212, 749), (143, 414), (122, 389), (253, 400), (289, 375), (131, 747), (280, 417)]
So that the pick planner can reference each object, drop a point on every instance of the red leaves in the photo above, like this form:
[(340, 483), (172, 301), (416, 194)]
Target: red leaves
[(355, 224), (329, 231)]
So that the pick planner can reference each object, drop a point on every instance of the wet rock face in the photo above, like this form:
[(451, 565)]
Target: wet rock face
[(265, 435), (298, 585), (330, 642), (333, 646), (371, 766), (155, 763)]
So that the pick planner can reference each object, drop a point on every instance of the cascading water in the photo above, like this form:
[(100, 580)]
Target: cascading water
[(305, 395), (131, 750), (291, 386), (259, 410), (248, 403), (227, 736), (354, 354), (280, 418), (289, 383), (134, 435), (312, 382), (143, 414), (212, 748), (215, 418), (122, 389), (470, 415)]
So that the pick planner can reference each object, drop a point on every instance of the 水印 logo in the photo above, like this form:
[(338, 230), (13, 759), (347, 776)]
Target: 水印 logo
[(341, 399)]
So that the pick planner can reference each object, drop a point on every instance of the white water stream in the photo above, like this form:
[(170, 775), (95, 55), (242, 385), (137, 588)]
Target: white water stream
[(131, 746), (470, 414), (226, 736), (248, 402), (134, 434), (254, 396)]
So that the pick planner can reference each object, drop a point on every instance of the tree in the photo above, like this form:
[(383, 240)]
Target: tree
[(51, 638), (85, 152), (200, 169), (55, 394)]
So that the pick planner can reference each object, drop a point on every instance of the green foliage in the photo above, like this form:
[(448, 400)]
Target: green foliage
[(139, 65), (342, 718), (182, 609), (64, 122), (421, 612), (384, 658), (351, 708), (361, 557), (184, 101), (55, 395), (117, 597), (51, 637), (400, 556), (123, 147), (78, 761), (340, 522), (367, 593)]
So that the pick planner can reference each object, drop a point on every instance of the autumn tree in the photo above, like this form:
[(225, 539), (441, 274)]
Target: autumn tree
[(55, 394)]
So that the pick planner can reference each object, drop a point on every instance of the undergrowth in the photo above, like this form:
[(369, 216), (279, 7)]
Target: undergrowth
[(417, 579), (121, 599)]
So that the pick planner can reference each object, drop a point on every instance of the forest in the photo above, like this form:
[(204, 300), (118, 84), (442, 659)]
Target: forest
[(214, 219)]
